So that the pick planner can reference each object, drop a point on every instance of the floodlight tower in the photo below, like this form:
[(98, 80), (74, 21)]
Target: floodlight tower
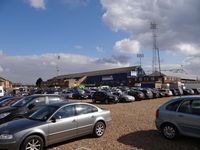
[(156, 53), (140, 56), (57, 65)]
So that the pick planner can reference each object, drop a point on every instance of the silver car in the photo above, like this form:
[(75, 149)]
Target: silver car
[(180, 116), (52, 124)]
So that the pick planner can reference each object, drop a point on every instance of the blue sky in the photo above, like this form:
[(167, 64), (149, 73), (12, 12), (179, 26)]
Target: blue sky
[(60, 28), (94, 34)]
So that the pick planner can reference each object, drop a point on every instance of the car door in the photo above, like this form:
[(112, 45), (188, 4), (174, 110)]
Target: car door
[(86, 116), (65, 125), (188, 117)]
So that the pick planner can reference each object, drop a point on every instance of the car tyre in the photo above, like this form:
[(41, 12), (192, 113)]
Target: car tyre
[(106, 101), (169, 131), (93, 101), (99, 129), (33, 142)]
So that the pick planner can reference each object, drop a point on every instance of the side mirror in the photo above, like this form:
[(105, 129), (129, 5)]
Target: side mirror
[(53, 119), (31, 106)]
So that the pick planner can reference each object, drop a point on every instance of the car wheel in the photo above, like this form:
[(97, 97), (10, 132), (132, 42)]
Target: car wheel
[(169, 131), (93, 100), (106, 101), (99, 129), (33, 142)]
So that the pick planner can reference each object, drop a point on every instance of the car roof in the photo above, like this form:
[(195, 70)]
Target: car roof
[(60, 104), (44, 95), (182, 98)]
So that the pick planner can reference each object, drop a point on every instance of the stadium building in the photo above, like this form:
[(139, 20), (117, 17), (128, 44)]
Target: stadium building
[(127, 76), (112, 77)]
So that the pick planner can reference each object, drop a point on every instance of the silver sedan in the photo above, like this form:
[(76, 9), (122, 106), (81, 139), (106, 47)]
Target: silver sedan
[(52, 124)]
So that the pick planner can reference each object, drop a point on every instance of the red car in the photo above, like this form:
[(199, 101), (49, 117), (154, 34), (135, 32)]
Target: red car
[(9, 101)]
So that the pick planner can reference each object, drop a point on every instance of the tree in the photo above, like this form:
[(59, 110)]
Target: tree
[(39, 82)]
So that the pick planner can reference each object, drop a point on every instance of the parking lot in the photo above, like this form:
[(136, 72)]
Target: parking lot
[(132, 128)]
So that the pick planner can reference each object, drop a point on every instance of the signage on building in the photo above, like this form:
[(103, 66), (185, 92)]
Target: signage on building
[(133, 73), (106, 78)]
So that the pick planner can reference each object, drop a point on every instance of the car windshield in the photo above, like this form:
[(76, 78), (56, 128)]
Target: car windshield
[(43, 113), (22, 102)]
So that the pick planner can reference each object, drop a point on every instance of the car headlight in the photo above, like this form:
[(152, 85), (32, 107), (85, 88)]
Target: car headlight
[(6, 136), (3, 115)]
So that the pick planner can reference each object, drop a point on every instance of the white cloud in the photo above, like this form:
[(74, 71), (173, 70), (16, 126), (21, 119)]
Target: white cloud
[(188, 48), (38, 4), (178, 21), (78, 46), (127, 46), (27, 69), (99, 49)]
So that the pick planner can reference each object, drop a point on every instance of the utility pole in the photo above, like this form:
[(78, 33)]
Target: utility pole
[(156, 52)]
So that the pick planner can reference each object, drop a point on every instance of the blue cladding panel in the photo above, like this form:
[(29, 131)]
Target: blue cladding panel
[(98, 78)]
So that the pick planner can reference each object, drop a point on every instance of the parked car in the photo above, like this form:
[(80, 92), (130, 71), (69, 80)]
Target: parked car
[(67, 94), (5, 97), (155, 92), (79, 94), (196, 91), (9, 101), (166, 92), (105, 97), (188, 92), (26, 105), (137, 94), (2, 92), (147, 93), (174, 92), (124, 97), (180, 116), (52, 124)]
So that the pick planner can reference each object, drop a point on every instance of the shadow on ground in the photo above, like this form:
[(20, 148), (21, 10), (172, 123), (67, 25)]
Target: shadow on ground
[(152, 140), (54, 146)]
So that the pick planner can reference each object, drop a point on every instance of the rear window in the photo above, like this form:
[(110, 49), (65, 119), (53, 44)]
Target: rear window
[(173, 106)]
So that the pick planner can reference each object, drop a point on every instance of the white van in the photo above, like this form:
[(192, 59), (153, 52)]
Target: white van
[(1, 91)]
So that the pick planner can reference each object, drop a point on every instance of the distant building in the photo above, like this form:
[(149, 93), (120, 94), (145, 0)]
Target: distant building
[(128, 76), (5, 83), (112, 77)]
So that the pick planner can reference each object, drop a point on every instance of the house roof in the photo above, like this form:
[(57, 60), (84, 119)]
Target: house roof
[(181, 75)]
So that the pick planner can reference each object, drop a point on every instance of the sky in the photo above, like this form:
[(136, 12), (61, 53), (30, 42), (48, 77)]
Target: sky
[(95, 34)]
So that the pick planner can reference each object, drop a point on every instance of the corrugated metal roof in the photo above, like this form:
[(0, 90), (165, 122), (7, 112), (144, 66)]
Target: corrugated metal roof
[(176, 74), (98, 72)]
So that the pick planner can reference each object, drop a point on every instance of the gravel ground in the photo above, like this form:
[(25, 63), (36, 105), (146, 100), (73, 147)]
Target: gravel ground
[(132, 128)]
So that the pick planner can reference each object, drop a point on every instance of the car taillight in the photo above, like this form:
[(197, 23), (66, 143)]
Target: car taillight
[(157, 113)]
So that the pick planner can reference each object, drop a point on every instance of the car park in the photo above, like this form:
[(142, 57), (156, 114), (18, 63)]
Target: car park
[(52, 124), (180, 116), (26, 105)]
